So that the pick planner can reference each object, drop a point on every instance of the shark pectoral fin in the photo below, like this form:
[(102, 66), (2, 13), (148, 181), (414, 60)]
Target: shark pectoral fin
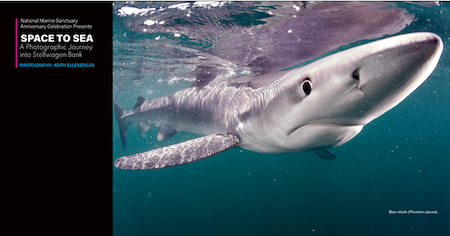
[(325, 153), (178, 154), (165, 132)]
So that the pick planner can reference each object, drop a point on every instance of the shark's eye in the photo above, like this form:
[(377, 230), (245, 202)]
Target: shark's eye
[(307, 86), (355, 74)]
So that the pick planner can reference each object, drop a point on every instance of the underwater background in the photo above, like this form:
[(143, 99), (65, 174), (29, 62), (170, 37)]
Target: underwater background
[(399, 162)]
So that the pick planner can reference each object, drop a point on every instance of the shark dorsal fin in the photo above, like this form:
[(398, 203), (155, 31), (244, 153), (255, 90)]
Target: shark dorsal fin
[(204, 75), (139, 102)]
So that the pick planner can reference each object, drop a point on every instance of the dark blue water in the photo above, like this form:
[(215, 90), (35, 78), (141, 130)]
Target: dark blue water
[(400, 161)]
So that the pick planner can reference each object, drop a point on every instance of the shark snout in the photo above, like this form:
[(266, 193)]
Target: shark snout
[(395, 68), (399, 60)]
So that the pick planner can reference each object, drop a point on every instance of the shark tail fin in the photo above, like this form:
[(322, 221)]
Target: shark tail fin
[(119, 112)]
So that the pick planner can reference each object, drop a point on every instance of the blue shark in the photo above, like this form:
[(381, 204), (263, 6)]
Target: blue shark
[(319, 106)]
